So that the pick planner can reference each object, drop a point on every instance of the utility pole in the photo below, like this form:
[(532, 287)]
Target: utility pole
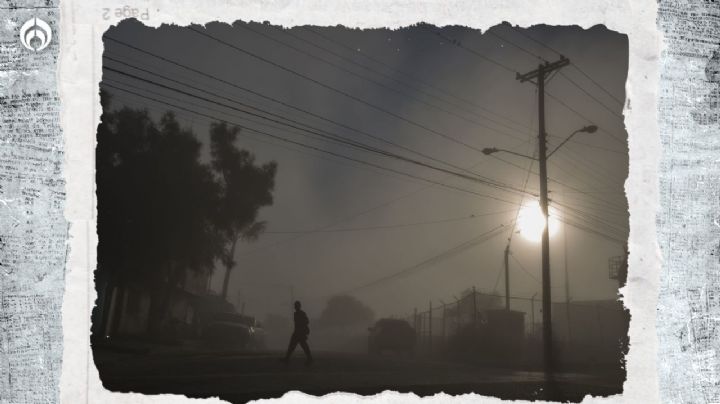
[(443, 321), (458, 317), (474, 308), (415, 322), (507, 277), (430, 330), (532, 314), (540, 75), (567, 285)]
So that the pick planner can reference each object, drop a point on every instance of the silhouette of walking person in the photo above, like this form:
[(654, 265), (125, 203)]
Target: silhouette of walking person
[(300, 335)]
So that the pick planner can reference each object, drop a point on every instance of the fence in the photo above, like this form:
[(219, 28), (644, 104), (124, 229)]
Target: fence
[(582, 324)]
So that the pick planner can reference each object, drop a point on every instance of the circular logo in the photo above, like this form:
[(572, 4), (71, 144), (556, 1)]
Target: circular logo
[(35, 34)]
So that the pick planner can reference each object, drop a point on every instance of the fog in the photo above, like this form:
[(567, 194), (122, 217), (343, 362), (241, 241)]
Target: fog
[(336, 226)]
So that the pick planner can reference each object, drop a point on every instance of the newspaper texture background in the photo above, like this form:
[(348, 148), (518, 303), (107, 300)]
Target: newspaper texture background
[(33, 229), (688, 221)]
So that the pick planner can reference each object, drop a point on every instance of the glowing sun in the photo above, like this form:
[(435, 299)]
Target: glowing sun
[(531, 222)]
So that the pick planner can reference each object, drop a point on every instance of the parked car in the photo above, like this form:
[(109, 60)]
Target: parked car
[(391, 335), (258, 338), (229, 329)]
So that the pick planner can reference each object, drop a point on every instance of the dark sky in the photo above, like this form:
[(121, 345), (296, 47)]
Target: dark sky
[(475, 102)]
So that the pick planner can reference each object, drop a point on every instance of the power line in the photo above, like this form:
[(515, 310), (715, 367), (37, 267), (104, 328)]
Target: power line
[(581, 115), (596, 225), (559, 101), (592, 146), (563, 75), (338, 91), (599, 173), (393, 226), (519, 31), (474, 177), (582, 175), (517, 216), (340, 139), (515, 45), (602, 104), (590, 206), (517, 261), (598, 85), (614, 167), (485, 236), (275, 100), (459, 44), (375, 137), (332, 224), (551, 179), (593, 231), (342, 125), (596, 192), (304, 129), (525, 184), (600, 201), (337, 123), (610, 204), (369, 79), (350, 217), (320, 149), (575, 224), (205, 107), (592, 217), (253, 138), (415, 78), (333, 159), (224, 89)]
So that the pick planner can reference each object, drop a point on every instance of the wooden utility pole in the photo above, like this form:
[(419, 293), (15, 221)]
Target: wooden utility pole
[(443, 322), (567, 285), (415, 322), (532, 314), (507, 277), (540, 75), (430, 328), (474, 307)]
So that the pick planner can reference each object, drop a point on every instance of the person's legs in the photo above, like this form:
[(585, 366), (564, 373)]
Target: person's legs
[(306, 349), (291, 347)]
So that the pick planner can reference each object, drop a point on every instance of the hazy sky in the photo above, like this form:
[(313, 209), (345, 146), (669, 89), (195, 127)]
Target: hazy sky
[(318, 191)]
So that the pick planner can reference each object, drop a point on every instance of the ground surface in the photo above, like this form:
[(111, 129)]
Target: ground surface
[(240, 377)]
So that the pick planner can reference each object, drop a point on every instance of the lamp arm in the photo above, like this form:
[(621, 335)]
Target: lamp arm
[(563, 142), (517, 154)]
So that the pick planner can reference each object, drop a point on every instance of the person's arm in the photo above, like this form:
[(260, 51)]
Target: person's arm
[(305, 320)]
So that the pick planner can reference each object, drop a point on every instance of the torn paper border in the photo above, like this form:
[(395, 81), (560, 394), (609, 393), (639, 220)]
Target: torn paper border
[(83, 23)]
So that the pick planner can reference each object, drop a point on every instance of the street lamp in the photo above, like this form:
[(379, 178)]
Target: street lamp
[(490, 150), (546, 302), (587, 129)]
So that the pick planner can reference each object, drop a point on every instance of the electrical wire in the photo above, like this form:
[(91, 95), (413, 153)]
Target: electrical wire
[(473, 242), (335, 138), (415, 78), (373, 81), (338, 91)]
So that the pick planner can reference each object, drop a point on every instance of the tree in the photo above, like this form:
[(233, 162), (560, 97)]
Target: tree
[(161, 212), (156, 204), (244, 189), (346, 311)]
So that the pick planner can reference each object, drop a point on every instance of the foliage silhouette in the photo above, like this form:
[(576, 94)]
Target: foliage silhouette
[(244, 189), (162, 213)]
